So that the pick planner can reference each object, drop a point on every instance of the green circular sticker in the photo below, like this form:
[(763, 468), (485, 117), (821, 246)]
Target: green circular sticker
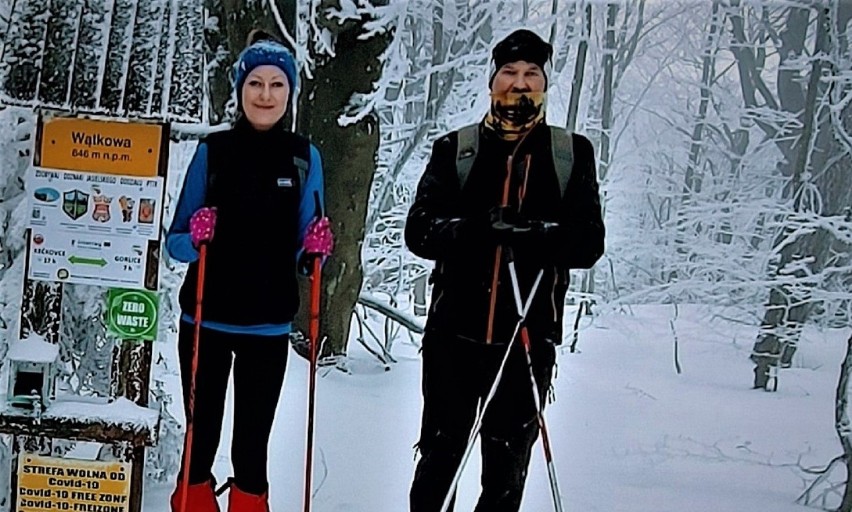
[(133, 314)]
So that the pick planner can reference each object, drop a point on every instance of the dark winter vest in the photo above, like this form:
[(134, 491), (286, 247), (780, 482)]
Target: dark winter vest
[(254, 182)]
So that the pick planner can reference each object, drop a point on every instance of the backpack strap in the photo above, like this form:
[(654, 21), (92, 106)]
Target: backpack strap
[(562, 146), (301, 158), (214, 142), (468, 145)]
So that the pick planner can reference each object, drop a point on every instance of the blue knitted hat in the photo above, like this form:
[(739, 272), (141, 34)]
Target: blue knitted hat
[(265, 52)]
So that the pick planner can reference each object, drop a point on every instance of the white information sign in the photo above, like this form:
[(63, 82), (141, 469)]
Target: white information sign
[(83, 202), (88, 259), (92, 228)]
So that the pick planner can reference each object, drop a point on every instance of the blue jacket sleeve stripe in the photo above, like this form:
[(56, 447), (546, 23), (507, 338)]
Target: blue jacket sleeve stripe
[(314, 182), (192, 197)]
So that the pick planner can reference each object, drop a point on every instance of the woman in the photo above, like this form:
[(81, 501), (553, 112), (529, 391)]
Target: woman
[(259, 189)]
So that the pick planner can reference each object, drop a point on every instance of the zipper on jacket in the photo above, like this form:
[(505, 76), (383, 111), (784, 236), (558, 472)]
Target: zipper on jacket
[(440, 271)]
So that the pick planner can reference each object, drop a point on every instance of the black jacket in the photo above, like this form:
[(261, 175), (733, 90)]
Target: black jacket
[(446, 224)]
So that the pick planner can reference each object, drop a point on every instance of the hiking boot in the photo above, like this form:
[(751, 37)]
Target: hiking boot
[(199, 498)]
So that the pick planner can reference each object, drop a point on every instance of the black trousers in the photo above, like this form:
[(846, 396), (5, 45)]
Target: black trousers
[(457, 376), (259, 363)]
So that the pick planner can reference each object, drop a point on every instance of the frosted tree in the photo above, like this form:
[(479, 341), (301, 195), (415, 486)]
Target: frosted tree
[(128, 58), (139, 58), (342, 47), (432, 81), (837, 301), (15, 145), (797, 119)]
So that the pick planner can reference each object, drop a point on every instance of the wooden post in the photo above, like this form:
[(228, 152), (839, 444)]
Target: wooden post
[(131, 374)]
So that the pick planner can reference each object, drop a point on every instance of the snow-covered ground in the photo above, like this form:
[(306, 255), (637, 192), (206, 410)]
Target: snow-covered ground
[(629, 433)]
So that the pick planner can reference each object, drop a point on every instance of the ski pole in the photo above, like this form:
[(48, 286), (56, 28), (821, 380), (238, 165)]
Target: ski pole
[(313, 339), (497, 256), (477, 424), (499, 251), (539, 408), (313, 333), (187, 449)]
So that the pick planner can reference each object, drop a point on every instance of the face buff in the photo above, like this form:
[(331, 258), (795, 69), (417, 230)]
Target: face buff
[(513, 114)]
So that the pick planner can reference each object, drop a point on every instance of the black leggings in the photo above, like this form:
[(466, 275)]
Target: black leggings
[(259, 363), (457, 375)]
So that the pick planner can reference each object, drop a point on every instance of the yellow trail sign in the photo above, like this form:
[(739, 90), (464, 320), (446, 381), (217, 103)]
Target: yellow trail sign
[(107, 147), (48, 484)]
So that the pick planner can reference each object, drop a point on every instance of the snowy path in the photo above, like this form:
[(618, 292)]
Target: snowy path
[(629, 433)]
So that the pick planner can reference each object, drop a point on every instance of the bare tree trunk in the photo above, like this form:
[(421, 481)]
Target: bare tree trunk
[(435, 77), (789, 307), (692, 176), (842, 425), (604, 156), (579, 70), (606, 106), (414, 110), (692, 182), (554, 10), (628, 38), (349, 154)]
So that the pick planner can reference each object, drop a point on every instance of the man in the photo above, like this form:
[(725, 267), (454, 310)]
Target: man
[(512, 196)]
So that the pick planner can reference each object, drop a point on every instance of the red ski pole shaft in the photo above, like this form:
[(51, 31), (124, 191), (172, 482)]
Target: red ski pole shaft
[(187, 448), (497, 257), (545, 437), (314, 321), (313, 339)]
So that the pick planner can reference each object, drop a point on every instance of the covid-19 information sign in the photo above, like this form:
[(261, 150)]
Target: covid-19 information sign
[(48, 484)]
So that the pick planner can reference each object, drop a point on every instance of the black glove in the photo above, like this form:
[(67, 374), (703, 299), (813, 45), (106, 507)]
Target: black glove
[(541, 235), (509, 227), (503, 225), (506, 224), (499, 225)]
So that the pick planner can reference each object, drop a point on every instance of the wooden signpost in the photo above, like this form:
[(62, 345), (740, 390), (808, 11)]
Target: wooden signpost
[(96, 193), (96, 196)]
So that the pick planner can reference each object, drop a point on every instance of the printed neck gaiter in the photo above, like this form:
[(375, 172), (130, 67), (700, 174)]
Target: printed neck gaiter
[(513, 114)]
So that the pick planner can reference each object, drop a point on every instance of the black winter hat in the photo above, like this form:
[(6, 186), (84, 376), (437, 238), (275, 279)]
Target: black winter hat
[(522, 45)]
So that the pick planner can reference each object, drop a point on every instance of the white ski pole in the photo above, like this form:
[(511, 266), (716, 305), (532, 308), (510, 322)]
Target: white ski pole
[(539, 408), (477, 424)]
